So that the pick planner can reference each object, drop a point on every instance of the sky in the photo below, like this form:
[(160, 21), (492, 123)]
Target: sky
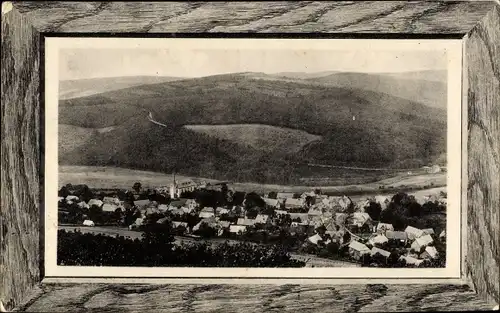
[(83, 63)]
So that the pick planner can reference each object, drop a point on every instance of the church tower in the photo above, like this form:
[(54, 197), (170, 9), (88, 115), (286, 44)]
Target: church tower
[(173, 189)]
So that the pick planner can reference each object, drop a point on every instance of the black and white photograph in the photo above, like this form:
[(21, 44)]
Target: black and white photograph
[(247, 156), (257, 154)]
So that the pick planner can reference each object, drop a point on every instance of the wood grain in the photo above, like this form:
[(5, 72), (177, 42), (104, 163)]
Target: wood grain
[(20, 155), (253, 298), (20, 148), (482, 47), (423, 17)]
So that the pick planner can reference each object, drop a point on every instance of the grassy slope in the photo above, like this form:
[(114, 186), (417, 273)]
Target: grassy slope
[(260, 137), (377, 136)]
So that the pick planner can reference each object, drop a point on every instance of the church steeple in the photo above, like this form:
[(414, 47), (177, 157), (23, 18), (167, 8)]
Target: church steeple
[(173, 188)]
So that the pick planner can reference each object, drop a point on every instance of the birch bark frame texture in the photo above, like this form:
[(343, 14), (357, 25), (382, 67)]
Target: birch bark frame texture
[(23, 27)]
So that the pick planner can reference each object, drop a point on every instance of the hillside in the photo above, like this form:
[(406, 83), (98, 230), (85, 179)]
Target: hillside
[(259, 137), (357, 127), (414, 87), (69, 89), (428, 75)]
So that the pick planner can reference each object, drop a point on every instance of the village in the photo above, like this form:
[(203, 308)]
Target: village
[(377, 231)]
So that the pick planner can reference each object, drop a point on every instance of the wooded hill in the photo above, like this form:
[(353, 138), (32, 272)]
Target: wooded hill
[(351, 126)]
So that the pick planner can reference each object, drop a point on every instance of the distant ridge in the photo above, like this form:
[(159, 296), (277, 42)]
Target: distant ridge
[(76, 88)]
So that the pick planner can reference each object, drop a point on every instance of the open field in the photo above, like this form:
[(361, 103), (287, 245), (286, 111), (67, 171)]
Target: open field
[(114, 177), (110, 177), (258, 136)]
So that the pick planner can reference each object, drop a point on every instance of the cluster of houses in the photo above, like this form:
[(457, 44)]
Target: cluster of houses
[(323, 218), (420, 240), (418, 243), (107, 204)]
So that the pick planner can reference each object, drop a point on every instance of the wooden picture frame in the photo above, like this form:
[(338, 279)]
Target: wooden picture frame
[(24, 25)]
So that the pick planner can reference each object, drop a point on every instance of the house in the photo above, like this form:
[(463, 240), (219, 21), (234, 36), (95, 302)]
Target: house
[(328, 215), (413, 232), (176, 211), (383, 201), (428, 231), (304, 217), (206, 212), (178, 203), (421, 242), (187, 210), (382, 252), (111, 200), (151, 210), (308, 194), (238, 210), (435, 169), (72, 198), (83, 205), (315, 211), (421, 199), (443, 201), (429, 253), (294, 203), (164, 190), (163, 207), (141, 203), (380, 239), (109, 207), (396, 236), (337, 203), (191, 203), (341, 218), (163, 220), (220, 211), (224, 224), (411, 260), (299, 224), (262, 219), (315, 239), (176, 225), (316, 220), (280, 212), (272, 202), (357, 250), (361, 219), (330, 225), (361, 205), (383, 227), (88, 223), (442, 235), (284, 195), (210, 222), (246, 221), (237, 229), (95, 202), (336, 236)]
